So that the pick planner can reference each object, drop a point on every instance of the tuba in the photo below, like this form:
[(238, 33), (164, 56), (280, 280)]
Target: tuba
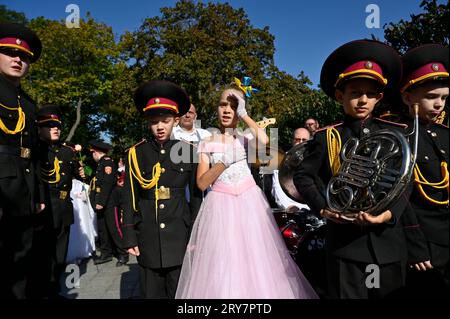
[(374, 172)]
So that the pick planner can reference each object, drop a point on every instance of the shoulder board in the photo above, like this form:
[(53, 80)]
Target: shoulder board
[(442, 125), (70, 147), (390, 123), (329, 126), (136, 145)]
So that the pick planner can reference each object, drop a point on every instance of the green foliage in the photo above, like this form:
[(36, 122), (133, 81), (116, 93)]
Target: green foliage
[(202, 47), (315, 104), (76, 66), (431, 26), (7, 15)]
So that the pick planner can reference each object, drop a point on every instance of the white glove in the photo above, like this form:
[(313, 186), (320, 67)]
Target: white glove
[(232, 155), (241, 111)]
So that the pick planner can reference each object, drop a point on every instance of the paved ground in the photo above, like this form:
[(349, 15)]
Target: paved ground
[(105, 281)]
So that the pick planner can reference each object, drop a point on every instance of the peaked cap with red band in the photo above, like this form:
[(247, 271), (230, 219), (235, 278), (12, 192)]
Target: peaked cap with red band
[(425, 63), (161, 97), (19, 37), (361, 59), (49, 116), (99, 145)]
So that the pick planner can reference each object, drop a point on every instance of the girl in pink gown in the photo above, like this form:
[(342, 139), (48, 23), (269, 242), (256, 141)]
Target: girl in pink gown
[(235, 249)]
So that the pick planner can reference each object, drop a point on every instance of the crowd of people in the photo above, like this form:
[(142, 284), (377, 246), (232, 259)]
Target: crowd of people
[(186, 204)]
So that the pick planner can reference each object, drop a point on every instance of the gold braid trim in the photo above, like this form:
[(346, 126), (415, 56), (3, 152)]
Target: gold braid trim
[(135, 173), (420, 180), (20, 125), (334, 145), (47, 174)]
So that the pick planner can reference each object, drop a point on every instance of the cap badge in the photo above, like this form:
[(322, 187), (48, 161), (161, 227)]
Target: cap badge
[(157, 101), (368, 65), (435, 67), (18, 41)]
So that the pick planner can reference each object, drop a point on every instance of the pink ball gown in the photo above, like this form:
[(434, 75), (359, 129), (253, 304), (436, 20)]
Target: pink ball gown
[(235, 250)]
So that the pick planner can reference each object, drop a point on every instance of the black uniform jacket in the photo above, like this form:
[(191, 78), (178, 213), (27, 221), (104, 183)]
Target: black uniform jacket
[(162, 232), (11, 162), (425, 221), (57, 195), (351, 241), (104, 182)]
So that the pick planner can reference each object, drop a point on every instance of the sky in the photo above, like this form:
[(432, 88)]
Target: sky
[(306, 31)]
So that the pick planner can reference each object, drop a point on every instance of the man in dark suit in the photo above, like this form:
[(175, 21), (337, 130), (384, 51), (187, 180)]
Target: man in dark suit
[(355, 74), (19, 196), (158, 218), (425, 82), (100, 194), (59, 166)]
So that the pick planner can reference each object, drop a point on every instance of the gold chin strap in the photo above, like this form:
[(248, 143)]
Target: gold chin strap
[(135, 173), (20, 125), (420, 180), (47, 174), (334, 145)]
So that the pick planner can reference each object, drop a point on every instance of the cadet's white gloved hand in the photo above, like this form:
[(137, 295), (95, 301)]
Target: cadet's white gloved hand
[(232, 155), (241, 111)]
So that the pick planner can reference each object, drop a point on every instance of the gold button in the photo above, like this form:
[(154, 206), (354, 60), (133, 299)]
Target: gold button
[(181, 169), (433, 134), (162, 225), (25, 133), (63, 174), (162, 188), (161, 206), (163, 170), (427, 158), (9, 115), (428, 131), (27, 170), (163, 152), (442, 151)]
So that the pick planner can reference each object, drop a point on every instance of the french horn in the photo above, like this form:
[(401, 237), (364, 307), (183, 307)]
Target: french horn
[(374, 172)]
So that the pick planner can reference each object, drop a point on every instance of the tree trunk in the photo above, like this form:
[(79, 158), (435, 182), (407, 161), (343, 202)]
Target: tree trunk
[(77, 121)]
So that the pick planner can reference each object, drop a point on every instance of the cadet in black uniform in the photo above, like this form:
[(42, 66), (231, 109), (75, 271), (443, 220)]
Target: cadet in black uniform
[(113, 218), (157, 218), (19, 47), (425, 81), (355, 75), (100, 194), (59, 166)]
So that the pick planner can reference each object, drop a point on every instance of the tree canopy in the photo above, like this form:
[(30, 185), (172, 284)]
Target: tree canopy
[(75, 71), (431, 26)]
